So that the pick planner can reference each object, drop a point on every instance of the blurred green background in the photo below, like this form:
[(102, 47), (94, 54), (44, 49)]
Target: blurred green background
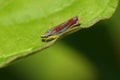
[(88, 54)]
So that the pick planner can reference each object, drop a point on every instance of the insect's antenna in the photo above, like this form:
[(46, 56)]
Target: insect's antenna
[(50, 26)]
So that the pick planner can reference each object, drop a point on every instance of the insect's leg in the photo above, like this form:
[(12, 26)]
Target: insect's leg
[(55, 36), (73, 26), (78, 21), (45, 40), (76, 25)]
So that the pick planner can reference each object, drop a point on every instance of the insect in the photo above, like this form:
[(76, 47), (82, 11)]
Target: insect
[(54, 32)]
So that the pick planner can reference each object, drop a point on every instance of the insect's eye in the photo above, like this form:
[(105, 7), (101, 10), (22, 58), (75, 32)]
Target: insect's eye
[(47, 31)]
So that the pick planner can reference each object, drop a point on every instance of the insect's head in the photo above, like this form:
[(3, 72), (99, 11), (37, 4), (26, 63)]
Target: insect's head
[(46, 34)]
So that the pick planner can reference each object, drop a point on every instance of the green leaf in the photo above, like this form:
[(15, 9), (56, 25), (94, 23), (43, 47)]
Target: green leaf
[(23, 21)]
